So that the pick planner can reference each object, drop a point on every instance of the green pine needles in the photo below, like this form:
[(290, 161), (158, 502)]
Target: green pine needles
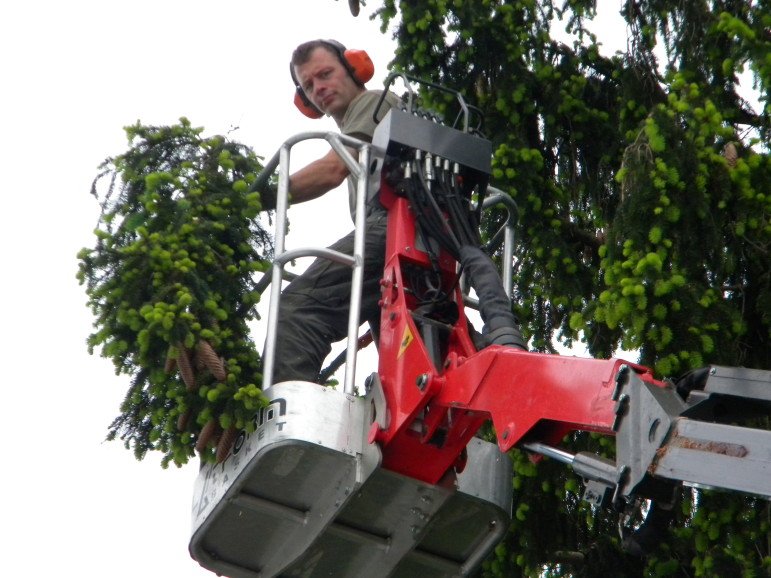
[(170, 282), (643, 184)]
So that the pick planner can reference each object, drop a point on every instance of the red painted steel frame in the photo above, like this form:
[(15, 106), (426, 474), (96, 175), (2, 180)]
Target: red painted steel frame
[(434, 412)]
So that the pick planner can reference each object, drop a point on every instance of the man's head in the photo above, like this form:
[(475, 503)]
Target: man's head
[(328, 77)]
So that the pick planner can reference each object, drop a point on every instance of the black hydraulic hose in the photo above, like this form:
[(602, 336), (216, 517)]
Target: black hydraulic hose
[(447, 237), (501, 327), (427, 213), (409, 189), (444, 192), (460, 214), (426, 225), (460, 221)]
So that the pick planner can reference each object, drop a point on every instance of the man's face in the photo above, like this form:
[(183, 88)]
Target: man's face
[(327, 83)]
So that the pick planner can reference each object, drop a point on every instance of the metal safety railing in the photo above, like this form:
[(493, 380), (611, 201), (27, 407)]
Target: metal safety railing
[(358, 169), (506, 236)]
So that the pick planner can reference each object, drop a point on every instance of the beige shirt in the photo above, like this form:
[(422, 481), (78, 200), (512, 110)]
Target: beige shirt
[(359, 122)]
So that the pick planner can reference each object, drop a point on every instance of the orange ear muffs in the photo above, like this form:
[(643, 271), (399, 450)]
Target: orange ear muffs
[(305, 106), (360, 65)]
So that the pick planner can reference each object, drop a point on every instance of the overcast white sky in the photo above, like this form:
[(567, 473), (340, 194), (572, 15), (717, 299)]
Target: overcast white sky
[(72, 74)]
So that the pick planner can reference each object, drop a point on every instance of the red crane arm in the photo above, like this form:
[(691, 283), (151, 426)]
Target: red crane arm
[(434, 409)]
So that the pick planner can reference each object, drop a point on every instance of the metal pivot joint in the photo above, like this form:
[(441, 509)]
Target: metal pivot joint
[(663, 439)]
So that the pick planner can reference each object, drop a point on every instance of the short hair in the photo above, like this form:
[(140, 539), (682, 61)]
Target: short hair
[(302, 53)]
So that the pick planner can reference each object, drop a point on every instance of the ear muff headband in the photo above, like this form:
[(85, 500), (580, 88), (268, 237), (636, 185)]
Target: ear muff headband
[(358, 64)]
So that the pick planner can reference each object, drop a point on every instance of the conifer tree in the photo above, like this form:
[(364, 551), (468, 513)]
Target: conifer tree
[(643, 181), (171, 283)]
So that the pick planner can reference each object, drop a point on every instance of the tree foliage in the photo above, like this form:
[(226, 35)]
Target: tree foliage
[(170, 282), (642, 180)]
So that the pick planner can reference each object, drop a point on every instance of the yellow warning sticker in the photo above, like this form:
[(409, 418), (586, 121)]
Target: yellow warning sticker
[(406, 340)]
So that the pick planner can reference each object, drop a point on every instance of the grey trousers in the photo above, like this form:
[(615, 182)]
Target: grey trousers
[(313, 311)]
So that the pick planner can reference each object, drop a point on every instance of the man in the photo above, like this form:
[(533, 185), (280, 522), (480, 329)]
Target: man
[(314, 308)]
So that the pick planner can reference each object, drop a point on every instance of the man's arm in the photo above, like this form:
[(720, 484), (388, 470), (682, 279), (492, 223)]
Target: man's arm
[(317, 178)]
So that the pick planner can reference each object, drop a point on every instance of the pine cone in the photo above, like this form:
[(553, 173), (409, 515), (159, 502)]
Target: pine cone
[(731, 154), (209, 432), (186, 369), (225, 444), (183, 420), (211, 360), (171, 361)]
